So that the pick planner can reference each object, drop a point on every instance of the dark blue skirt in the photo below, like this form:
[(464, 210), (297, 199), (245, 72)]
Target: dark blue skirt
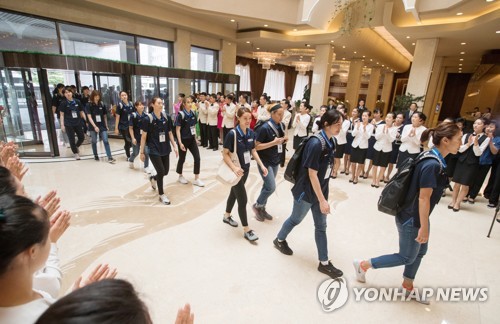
[(348, 145)]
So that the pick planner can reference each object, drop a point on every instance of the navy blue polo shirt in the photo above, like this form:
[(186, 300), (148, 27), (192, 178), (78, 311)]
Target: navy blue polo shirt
[(71, 110), (156, 128), (266, 134), (425, 175), (96, 111), (124, 110), (186, 123), (316, 158), (244, 142), (135, 122), (57, 99)]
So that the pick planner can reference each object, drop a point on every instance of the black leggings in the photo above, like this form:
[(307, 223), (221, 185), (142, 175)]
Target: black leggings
[(70, 131), (239, 193), (189, 144), (128, 141), (162, 165)]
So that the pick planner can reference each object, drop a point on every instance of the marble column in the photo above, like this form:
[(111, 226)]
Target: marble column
[(321, 76)]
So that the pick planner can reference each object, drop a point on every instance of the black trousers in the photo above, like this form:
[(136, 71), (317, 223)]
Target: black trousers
[(189, 144), (213, 135), (204, 134), (162, 165), (70, 131), (495, 190), (128, 141), (491, 181), (481, 174), (239, 193), (224, 133)]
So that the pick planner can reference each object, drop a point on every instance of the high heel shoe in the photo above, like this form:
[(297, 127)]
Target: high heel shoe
[(450, 207)]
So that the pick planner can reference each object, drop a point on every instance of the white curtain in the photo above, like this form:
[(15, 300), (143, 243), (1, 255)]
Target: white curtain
[(274, 85), (244, 72), (300, 83)]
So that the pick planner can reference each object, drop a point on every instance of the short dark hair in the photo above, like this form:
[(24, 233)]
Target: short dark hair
[(330, 117), (102, 302), (7, 182)]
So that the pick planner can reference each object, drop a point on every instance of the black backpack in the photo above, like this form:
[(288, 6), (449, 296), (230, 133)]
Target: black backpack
[(392, 199), (293, 167)]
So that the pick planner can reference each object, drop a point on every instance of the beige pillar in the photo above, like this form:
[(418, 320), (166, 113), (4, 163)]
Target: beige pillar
[(385, 97), (321, 76), (354, 82), (227, 57), (373, 85), (182, 49), (423, 60), (431, 98)]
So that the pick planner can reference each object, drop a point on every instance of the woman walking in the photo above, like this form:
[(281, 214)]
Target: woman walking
[(98, 119)]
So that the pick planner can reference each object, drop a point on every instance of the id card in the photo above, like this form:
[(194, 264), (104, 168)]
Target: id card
[(193, 130), (246, 155), (280, 148), (328, 172), (74, 114), (162, 137), (98, 118)]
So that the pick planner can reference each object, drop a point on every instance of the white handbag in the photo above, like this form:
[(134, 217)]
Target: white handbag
[(225, 174)]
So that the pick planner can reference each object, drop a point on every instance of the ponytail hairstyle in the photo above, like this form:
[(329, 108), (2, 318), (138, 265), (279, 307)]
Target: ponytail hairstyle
[(22, 225), (443, 130), (7, 182), (329, 118), (421, 115)]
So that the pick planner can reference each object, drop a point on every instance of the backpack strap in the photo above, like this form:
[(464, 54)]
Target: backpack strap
[(322, 140), (428, 155), (274, 128)]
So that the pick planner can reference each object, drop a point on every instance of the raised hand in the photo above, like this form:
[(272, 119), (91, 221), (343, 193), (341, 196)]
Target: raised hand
[(59, 223), (184, 315), (101, 272)]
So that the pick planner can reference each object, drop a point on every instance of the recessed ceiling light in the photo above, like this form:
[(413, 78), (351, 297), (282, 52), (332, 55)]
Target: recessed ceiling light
[(295, 29), (343, 58), (498, 31), (383, 65), (364, 66), (461, 59), (489, 0), (343, 46), (248, 42), (407, 36), (371, 60), (308, 45), (300, 59), (363, 56), (266, 25), (258, 48), (459, 13), (331, 41), (460, 64), (463, 43), (355, 52), (232, 20), (462, 53), (413, 44)]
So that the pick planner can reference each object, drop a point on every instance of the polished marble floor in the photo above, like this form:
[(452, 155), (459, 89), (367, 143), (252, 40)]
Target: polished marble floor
[(184, 253)]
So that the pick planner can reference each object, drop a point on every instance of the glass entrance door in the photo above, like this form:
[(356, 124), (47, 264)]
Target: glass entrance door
[(23, 114), (110, 86)]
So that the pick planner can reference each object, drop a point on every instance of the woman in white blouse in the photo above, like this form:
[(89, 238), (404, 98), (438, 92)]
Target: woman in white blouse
[(341, 141), (384, 136), (362, 132), (315, 127), (228, 114), (410, 138), (300, 123)]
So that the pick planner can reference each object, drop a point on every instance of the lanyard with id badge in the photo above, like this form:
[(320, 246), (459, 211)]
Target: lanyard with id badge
[(330, 146), (74, 113), (246, 139)]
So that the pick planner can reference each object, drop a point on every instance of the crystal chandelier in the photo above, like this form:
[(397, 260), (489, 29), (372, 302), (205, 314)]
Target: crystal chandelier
[(266, 58), (302, 67)]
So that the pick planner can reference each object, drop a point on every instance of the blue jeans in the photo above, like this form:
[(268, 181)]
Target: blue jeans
[(299, 211), (410, 251), (104, 137), (135, 153), (269, 185)]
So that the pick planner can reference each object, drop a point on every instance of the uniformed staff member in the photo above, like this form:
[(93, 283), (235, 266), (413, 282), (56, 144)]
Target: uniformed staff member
[(310, 191), (185, 127), (269, 141), (135, 131), (245, 142), (202, 118), (72, 115), (156, 131), (98, 124), (57, 98), (123, 110)]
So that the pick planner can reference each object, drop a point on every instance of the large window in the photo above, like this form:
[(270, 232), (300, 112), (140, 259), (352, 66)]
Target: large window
[(76, 40), (274, 85), (22, 33), (244, 72), (154, 52), (203, 59)]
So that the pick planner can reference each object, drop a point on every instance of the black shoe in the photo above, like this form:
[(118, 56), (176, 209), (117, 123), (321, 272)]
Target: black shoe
[(259, 215), (282, 247), (266, 214), (492, 206), (96, 158), (330, 270)]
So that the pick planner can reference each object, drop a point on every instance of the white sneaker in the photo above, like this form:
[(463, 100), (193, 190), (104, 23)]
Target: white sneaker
[(198, 183), (182, 180), (131, 165), (153, 182), (360, 273), (77, 156), (164, 199)]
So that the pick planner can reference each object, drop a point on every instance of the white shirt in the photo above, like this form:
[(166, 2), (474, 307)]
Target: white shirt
[(411, 144), (213, 110), (203, 112), (228, 115), (263, 114), (26, 313), (286, 118), (361, 135), (49, 278), (315, 127), (341, 137), (384, 140), (301, 125), (478, 149)]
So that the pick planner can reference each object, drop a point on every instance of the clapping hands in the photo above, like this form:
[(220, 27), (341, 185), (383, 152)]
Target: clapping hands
[(101, 272)]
